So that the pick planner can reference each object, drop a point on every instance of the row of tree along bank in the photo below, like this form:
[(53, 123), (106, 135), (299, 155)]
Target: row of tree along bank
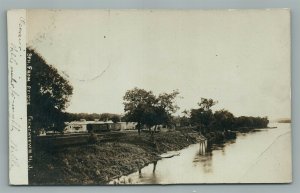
[(221, 120), (148, 110)]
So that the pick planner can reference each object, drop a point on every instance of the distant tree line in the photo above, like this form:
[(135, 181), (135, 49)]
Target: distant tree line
[(92, 116), (220, 120), (285, 120)]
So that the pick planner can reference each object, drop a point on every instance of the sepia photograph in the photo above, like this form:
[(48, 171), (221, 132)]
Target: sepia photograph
[(128, 97)]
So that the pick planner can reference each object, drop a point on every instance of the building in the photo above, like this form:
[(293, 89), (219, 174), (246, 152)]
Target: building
[(122, 126), (84, 126)]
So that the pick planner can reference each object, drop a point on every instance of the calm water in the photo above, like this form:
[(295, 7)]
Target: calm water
[(261, 156)]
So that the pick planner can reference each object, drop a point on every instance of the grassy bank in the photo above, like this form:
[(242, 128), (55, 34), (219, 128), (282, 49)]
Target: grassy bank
[(103, 161)]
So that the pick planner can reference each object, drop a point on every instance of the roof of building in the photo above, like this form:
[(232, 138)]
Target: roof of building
[(89, 122)]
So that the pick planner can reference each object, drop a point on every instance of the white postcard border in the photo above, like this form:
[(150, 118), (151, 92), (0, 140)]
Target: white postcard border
[(18, 135)]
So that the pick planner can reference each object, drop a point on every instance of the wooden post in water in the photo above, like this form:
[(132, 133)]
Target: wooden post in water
[(203, 146), (154, 166)]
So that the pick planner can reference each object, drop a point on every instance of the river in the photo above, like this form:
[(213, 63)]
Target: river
[(262, 156)]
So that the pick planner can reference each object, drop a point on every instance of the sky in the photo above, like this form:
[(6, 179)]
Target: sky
[(241, 58)]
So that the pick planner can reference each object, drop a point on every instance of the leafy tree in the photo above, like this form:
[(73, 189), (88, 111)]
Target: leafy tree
[(203, 116), (115, 118), (166, 107), (92, 116), (206, 104), (105, 117), (223, 119), (145, 108), (49, 94), (166, 101), (185, 119), (251, 122), (137, 105)]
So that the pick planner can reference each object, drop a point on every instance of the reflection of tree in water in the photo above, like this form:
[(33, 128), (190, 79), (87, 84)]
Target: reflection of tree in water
[(154, 166), (140, 173), (203, 147), (204, 157), (219, 147), (206, 161), (149, 178), (154, 179), (204, 154)]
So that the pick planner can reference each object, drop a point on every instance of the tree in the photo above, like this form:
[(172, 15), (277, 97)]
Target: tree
[(115, 118), (166, 107), (203, 116), (223, 119), (105, 117), (206, 104), (251, 122), (145, 108), (49, 94), (184, 120)]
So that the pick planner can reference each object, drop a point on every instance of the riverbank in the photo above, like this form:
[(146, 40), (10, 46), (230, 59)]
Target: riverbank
[(101, 162), (260, 156)]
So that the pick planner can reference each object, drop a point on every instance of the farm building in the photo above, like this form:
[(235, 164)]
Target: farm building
[(121, 126), (84, 126)]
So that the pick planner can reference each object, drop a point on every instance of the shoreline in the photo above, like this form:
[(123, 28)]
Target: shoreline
[(106, 160), (102, 162)]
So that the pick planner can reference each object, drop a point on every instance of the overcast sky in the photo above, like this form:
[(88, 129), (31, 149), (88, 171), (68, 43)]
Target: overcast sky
[(240, 58)]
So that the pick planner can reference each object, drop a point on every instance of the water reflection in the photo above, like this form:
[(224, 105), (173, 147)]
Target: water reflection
[(203, 147), (154, 178), (154, 166), (140, 173), (143, 173), (212, 163), (153, 170), (203, 157)]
